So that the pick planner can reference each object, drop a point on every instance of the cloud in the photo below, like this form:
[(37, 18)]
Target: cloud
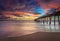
[(46, 1), (28, 5)]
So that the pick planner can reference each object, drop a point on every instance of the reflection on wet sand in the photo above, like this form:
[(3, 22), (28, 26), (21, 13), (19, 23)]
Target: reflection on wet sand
[(16, 28), (19, 28)]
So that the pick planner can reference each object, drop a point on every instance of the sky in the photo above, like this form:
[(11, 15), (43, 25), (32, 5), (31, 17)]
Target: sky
[(34, 6)]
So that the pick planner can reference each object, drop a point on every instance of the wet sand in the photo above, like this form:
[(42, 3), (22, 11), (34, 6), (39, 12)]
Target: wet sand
[(39, 36), (28, 31)]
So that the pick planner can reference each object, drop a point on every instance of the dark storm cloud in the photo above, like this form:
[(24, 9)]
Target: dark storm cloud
[(27, 2), (10, 3), (23, 4), (1, 6)]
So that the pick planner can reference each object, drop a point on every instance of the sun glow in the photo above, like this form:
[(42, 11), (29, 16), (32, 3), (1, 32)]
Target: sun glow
[(21, 15)]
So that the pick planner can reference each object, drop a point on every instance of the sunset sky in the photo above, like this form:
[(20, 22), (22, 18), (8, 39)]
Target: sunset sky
[(33, 6)]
